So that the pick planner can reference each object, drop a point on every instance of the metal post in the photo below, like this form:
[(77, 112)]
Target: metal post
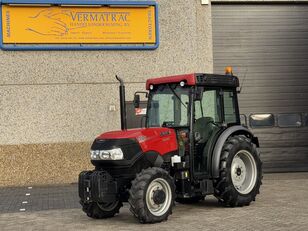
[(122, 103)]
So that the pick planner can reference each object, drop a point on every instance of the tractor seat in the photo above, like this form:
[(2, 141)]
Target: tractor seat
[(205, 128)]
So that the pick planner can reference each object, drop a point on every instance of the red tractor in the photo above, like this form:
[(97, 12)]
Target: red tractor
[(192, 145)]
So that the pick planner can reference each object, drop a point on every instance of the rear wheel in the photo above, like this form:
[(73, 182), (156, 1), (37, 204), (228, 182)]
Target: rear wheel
[(151, 196), (240, 172), (101, 210)]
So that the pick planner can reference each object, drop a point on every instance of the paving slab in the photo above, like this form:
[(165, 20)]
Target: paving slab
[(38, 198), (282, 205)]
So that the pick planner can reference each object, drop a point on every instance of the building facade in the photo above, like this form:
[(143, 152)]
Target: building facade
[(53, 103)]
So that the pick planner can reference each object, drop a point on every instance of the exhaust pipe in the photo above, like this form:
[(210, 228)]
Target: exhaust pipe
[(122, 103)]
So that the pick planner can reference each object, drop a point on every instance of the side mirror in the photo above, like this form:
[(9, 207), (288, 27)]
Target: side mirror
[(136, 101)]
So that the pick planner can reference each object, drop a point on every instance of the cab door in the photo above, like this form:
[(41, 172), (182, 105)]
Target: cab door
[(207, 122), (216, 110)]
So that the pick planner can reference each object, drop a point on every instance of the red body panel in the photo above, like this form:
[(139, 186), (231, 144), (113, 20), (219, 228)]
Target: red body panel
[(190, 79), (161, 140)]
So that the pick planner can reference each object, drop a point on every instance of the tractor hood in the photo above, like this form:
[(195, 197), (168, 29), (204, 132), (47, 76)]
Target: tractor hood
[(160, 140)]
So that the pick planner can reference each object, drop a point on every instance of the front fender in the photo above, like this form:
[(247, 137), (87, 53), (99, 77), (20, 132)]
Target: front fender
[(154, 158)]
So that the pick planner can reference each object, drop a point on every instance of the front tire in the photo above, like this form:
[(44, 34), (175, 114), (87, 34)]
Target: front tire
[(151, 196), (101, 210), (240, 172)]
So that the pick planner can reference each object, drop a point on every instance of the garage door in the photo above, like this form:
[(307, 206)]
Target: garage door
[(267, 46)]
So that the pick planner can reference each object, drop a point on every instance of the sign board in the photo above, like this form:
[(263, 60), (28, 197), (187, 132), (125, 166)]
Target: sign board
[(116, 26), (140, 111)]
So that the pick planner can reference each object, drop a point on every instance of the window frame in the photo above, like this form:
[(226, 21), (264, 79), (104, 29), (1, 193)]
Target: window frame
[(305, 119), (219, 112), (150, 97), (271, 126), (236, 106), (295, 126)]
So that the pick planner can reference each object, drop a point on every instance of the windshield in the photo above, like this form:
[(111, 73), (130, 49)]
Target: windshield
[(168, 106)]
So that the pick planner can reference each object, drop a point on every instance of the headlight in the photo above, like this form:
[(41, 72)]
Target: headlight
[(113, 154), (116, 154)]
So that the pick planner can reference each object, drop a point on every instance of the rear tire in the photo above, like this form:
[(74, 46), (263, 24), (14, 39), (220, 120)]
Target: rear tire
[(240, 172), (151, 196), (100, 211)]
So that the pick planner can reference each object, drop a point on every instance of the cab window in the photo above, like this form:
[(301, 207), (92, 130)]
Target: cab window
[(229, 107)]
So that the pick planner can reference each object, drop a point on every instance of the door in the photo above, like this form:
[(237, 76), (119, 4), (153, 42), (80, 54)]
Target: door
[(267, 45), (208, 119)]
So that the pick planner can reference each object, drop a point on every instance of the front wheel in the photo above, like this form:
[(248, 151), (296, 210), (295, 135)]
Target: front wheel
[(151, 196), (240, 172)]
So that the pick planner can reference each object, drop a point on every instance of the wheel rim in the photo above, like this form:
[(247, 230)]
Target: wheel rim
[(243, 172), (108, 206), (158, 209)]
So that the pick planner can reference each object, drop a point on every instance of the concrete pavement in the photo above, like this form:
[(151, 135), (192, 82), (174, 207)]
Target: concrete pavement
[(282, 205)]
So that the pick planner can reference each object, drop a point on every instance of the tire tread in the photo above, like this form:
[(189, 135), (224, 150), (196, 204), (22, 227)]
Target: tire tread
[(137, 192), (224, 189)]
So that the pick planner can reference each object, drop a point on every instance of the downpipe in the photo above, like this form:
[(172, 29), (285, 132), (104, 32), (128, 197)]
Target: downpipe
[(122, 103)]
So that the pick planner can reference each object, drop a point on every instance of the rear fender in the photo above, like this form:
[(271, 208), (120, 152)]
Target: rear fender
[(234, 130)]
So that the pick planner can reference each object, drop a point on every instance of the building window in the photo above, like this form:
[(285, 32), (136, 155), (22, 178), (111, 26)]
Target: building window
[(289, 120), (306, 119), (243, 120), (261, 120)]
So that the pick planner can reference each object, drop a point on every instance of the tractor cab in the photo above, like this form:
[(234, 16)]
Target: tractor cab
[(198, 107)]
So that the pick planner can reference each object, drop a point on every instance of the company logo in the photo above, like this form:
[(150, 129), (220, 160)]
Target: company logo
[(141, 138), (100, 16), (56, 21), (165, 133)]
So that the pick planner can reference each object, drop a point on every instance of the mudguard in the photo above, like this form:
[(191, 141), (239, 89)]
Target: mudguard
[(222, 139)]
